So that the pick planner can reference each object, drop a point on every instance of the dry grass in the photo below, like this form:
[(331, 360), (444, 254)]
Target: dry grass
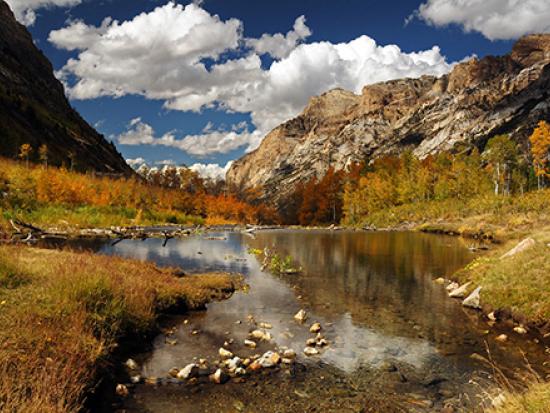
[(62, 314), (520, 283), (535, 400)]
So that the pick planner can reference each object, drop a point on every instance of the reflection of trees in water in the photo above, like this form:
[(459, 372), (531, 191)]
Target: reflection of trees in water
[(384, 280)]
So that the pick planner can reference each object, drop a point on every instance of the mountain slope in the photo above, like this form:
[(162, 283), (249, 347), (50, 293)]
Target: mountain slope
[(34, 109), (478, 99)]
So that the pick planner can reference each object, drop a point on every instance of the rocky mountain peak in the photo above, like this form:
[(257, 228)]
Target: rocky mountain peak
[(476, 100)]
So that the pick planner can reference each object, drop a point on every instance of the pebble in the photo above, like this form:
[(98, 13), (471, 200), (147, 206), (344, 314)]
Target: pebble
[(440, 280), (189, 371), (122, 390), (520, 330), (311, 351), (459, 292), (301, 316), (239, 371), (135, 379), (233, 363), (502, 338), (261, 335), (289, 354), (311, 342), (452, 286), (250, 343), (173, 372), (219, 377), (315, 328), (225, 354), (131, 364), (491, 316), (267, 326), (269, 359)]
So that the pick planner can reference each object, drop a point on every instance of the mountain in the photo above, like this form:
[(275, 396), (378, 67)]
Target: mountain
[(34, 109), (475, 101)]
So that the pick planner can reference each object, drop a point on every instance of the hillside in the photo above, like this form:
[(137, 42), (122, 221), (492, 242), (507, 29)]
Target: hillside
[(34, 109), (478, 99)]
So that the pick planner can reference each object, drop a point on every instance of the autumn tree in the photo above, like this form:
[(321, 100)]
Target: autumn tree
[(502, 154), (540, 150), (25, 151), (43, 154)]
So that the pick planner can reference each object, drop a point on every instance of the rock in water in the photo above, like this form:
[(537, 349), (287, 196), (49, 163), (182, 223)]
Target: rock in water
[(520, 330), (301, 316), (315, 328), (522, 246), (219, 377), (189, 371), (452, 286), (289, 354), (311, 351), (473, 300), (122, 390), (460, 292), (250, 343), (269, 359), (502, 338), (225, 354), (131, 364)]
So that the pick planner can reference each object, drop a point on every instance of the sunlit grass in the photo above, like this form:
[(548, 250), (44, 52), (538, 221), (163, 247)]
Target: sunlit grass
[(62, 313)]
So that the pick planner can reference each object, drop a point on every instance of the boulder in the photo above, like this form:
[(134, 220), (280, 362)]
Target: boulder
[(311, 351), (250, 343), (225, 354), (269, 359), (219, 377), (521, 247), (315, 328), (473, 300), (301, 316)]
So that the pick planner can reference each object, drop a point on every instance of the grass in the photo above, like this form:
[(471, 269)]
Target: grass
[(535, 400), (498, 216), (63, 314), (520, 283)]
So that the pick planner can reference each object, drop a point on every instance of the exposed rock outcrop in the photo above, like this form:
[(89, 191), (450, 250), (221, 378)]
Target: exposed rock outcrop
[(478, 99), (34, 109)]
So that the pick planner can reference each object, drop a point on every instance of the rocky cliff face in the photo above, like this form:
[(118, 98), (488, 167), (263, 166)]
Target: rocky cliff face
[(34, 109), (478, 99)]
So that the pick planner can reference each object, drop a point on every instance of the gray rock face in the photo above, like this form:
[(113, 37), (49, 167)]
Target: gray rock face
[(478, 99)]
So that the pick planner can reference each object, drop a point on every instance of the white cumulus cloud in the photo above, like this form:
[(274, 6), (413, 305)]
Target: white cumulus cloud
[(25, 10), (135, 162), (279, 45), (162, 55), (495, 19), (212, 170), (208, 143)]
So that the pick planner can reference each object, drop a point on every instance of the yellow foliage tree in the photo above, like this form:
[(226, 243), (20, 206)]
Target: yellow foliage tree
[(540, 149), (24, 152)]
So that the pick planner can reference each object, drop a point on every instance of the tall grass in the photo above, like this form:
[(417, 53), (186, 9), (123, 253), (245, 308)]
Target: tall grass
[(62, 314)]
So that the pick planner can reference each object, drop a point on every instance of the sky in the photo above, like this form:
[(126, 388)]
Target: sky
[(200, 83)]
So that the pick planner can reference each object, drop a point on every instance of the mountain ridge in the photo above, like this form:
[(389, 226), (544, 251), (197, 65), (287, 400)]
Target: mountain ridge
[(34, 109), (478, 99)]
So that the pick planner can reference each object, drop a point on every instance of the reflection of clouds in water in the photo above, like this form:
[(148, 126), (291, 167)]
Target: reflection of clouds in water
[(216, 254), (354, 346)]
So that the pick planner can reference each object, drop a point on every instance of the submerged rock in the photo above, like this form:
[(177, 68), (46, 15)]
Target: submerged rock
[(315, 328), (269, 359), (301, 316), (311, 351), (460, 292), (131, 364), (261, 335), (266, 326), (473, 300), (225, 354), (502, 338), (289, 354), (121, 390), (250, 343), (311, 342)]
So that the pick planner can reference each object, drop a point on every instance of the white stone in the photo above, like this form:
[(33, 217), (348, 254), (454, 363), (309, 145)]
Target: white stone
[(289, 354), (315, 328), (131, 364), (269, 359), (233, 363), (188, 371), (459, 292), (520, 330), (225, 354), (301, 316), (524, 245), (265, 325), (250, 343), (122, 390), (473, 300), (491, 316), (452, 286), (311, 351)]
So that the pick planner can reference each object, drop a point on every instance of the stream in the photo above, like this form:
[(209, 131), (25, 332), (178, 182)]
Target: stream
[(396, 341)]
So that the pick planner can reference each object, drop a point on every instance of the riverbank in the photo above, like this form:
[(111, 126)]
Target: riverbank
[(63, 315)]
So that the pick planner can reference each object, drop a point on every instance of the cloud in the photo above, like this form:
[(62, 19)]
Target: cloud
[(279, 45), (162, 55), (495, 19), (212, 170), (135, 162), (202, 145), (25, 10)]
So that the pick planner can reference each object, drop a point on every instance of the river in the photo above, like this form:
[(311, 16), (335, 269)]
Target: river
[(396, 341)]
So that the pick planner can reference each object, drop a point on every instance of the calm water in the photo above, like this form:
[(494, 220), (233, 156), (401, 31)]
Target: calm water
[(397, 342)]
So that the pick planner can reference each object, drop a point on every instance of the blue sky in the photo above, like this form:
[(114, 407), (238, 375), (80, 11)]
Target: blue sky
[(203, 82)]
